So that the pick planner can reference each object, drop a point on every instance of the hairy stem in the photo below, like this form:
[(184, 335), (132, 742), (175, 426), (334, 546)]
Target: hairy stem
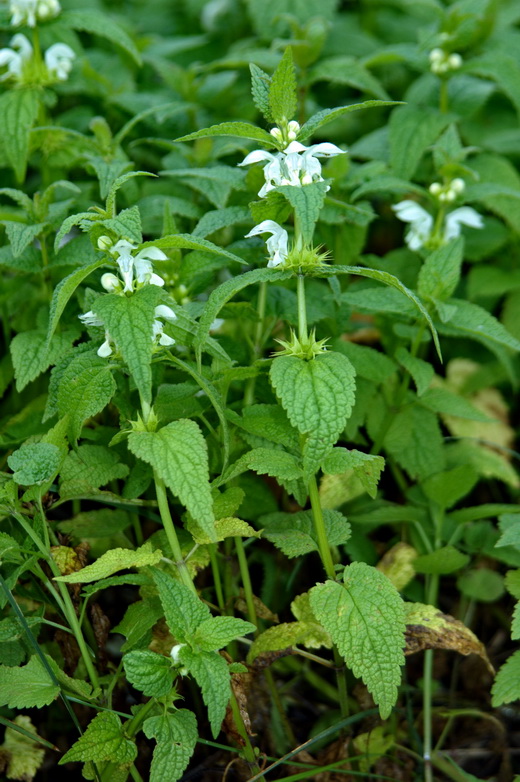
[(171, 534)]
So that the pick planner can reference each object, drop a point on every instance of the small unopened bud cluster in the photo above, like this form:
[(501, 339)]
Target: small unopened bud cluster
[(288, 133), (447, 193), (442, 62)]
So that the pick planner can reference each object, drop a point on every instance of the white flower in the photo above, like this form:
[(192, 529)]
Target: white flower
[(175, 652), (165, 312), (421, 223), (277, 244), (29, 11), (58, 59), (106, 348), (297, 165), (16, 57), (139, 265), (90, 319)]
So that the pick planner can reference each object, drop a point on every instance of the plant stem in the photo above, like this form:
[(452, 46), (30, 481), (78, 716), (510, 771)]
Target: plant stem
[(249, 395), (302, 308), (443, 98), (431, 598), (246, 580), (171, 534), (319, 526), (216, 576)]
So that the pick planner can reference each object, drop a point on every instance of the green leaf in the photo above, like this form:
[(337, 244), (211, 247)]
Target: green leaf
[(421, 371), (89, 467), (179, 455), (99, 23), (440, 562), (269, 422), (83, 219), (449, 486), (126, 225), (226, 291), (412, 131), (287, 635), (440, 273), (367, 467), (307, 203), (227, 527), (385, 183), (294, 533), (264, 461), (86, 387), (368, 363), (103, 523), (415, 441), (509, 524), (329, 115), (506, 688), (191, 242), (283, 100), (149, 672), (176, 736), (221, 218), (481, 584), (104, 739), (347, 71), (470, 320), (35, 463), (211, 673), (18, 109), (238, 129), (27, 686), (119, 182), (31, 354), (502, 69), (21, 235), (64, 290), (183, 610), (129, 319), (215, 633), (318, 396), (365, 617), (512, 582), (215, 183), (113, 560), (444, 401), (260, 83)]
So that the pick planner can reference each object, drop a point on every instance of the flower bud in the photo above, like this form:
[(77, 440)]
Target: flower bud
[(454, 61), (104, 243), (276, 133), (307, 179), (110, 282), (435, 188), (294, 126), (165, 312), (436, 55), (457, 186)]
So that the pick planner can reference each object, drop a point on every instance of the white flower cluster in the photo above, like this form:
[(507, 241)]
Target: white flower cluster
[(295, 166), (420, 234), (58, 59), (136, 271), (30, 12), (448, 193), (443, 62)]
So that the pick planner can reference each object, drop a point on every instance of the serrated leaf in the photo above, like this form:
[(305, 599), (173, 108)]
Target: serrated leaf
[(260, 83), (365, 617), (367, 467), (22, 752), (412, 131), (149, 672), (414, 439), (347, 71), (307, 203), (509, 524), (183, 610), (211, 673), (287, 635), (512, 582), (329, 115), (18, 109), (127, 224), (112, 561), (21, 235), (104, 739), (86, 387), (283, 100), (83, 219), (214, 182), (421, 371), (428, 628), (440, 273), (64, 290), (228, 527), (89, 467), (318, 396), (129, 319), (27, 686), (503, 70), (191, 242), (385, 183), (449, 486), (31, 354), (294, 533), (264, 461), (269, 422), (220, 218), (179, 455), (238, 129), (34, 463), (444, 401), (444, 560), (176, 735), (470, 320), (103, 523), (119, 182), (216, 632), (99, 23), (506, 688), (226, 291)]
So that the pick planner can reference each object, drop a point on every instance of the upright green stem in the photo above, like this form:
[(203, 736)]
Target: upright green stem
[(302, 308), (249, 396), (246, 580), (431, 598), (171, 534), (217, 581), (443, 101), (319, 526)]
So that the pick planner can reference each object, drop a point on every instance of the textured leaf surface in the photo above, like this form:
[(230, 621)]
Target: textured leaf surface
[(86, 387), (178, 453), (318, 396), (470, 320), (414, 439), (18, 109), (216, 632), (89, 467), (265, 461), (444, 560), (282, 90), (421, 372), (211, 673), (294, 533), (27, 686), (350, 72), (64, 290), (31, 354), (289, 634), (412, 131), (176, 735), (183, 610), (112, 561), (98, 23), (149, 672), (129, 320), (24, 755), (366, 466), (34, 463), (365, 617), (239, 129), (440, 273), (127, 224), (506, 688), (307, 203), (104, 739)]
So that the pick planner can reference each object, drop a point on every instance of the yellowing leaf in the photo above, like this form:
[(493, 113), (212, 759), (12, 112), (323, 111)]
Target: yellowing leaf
[(112, 561), (397, 565)]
